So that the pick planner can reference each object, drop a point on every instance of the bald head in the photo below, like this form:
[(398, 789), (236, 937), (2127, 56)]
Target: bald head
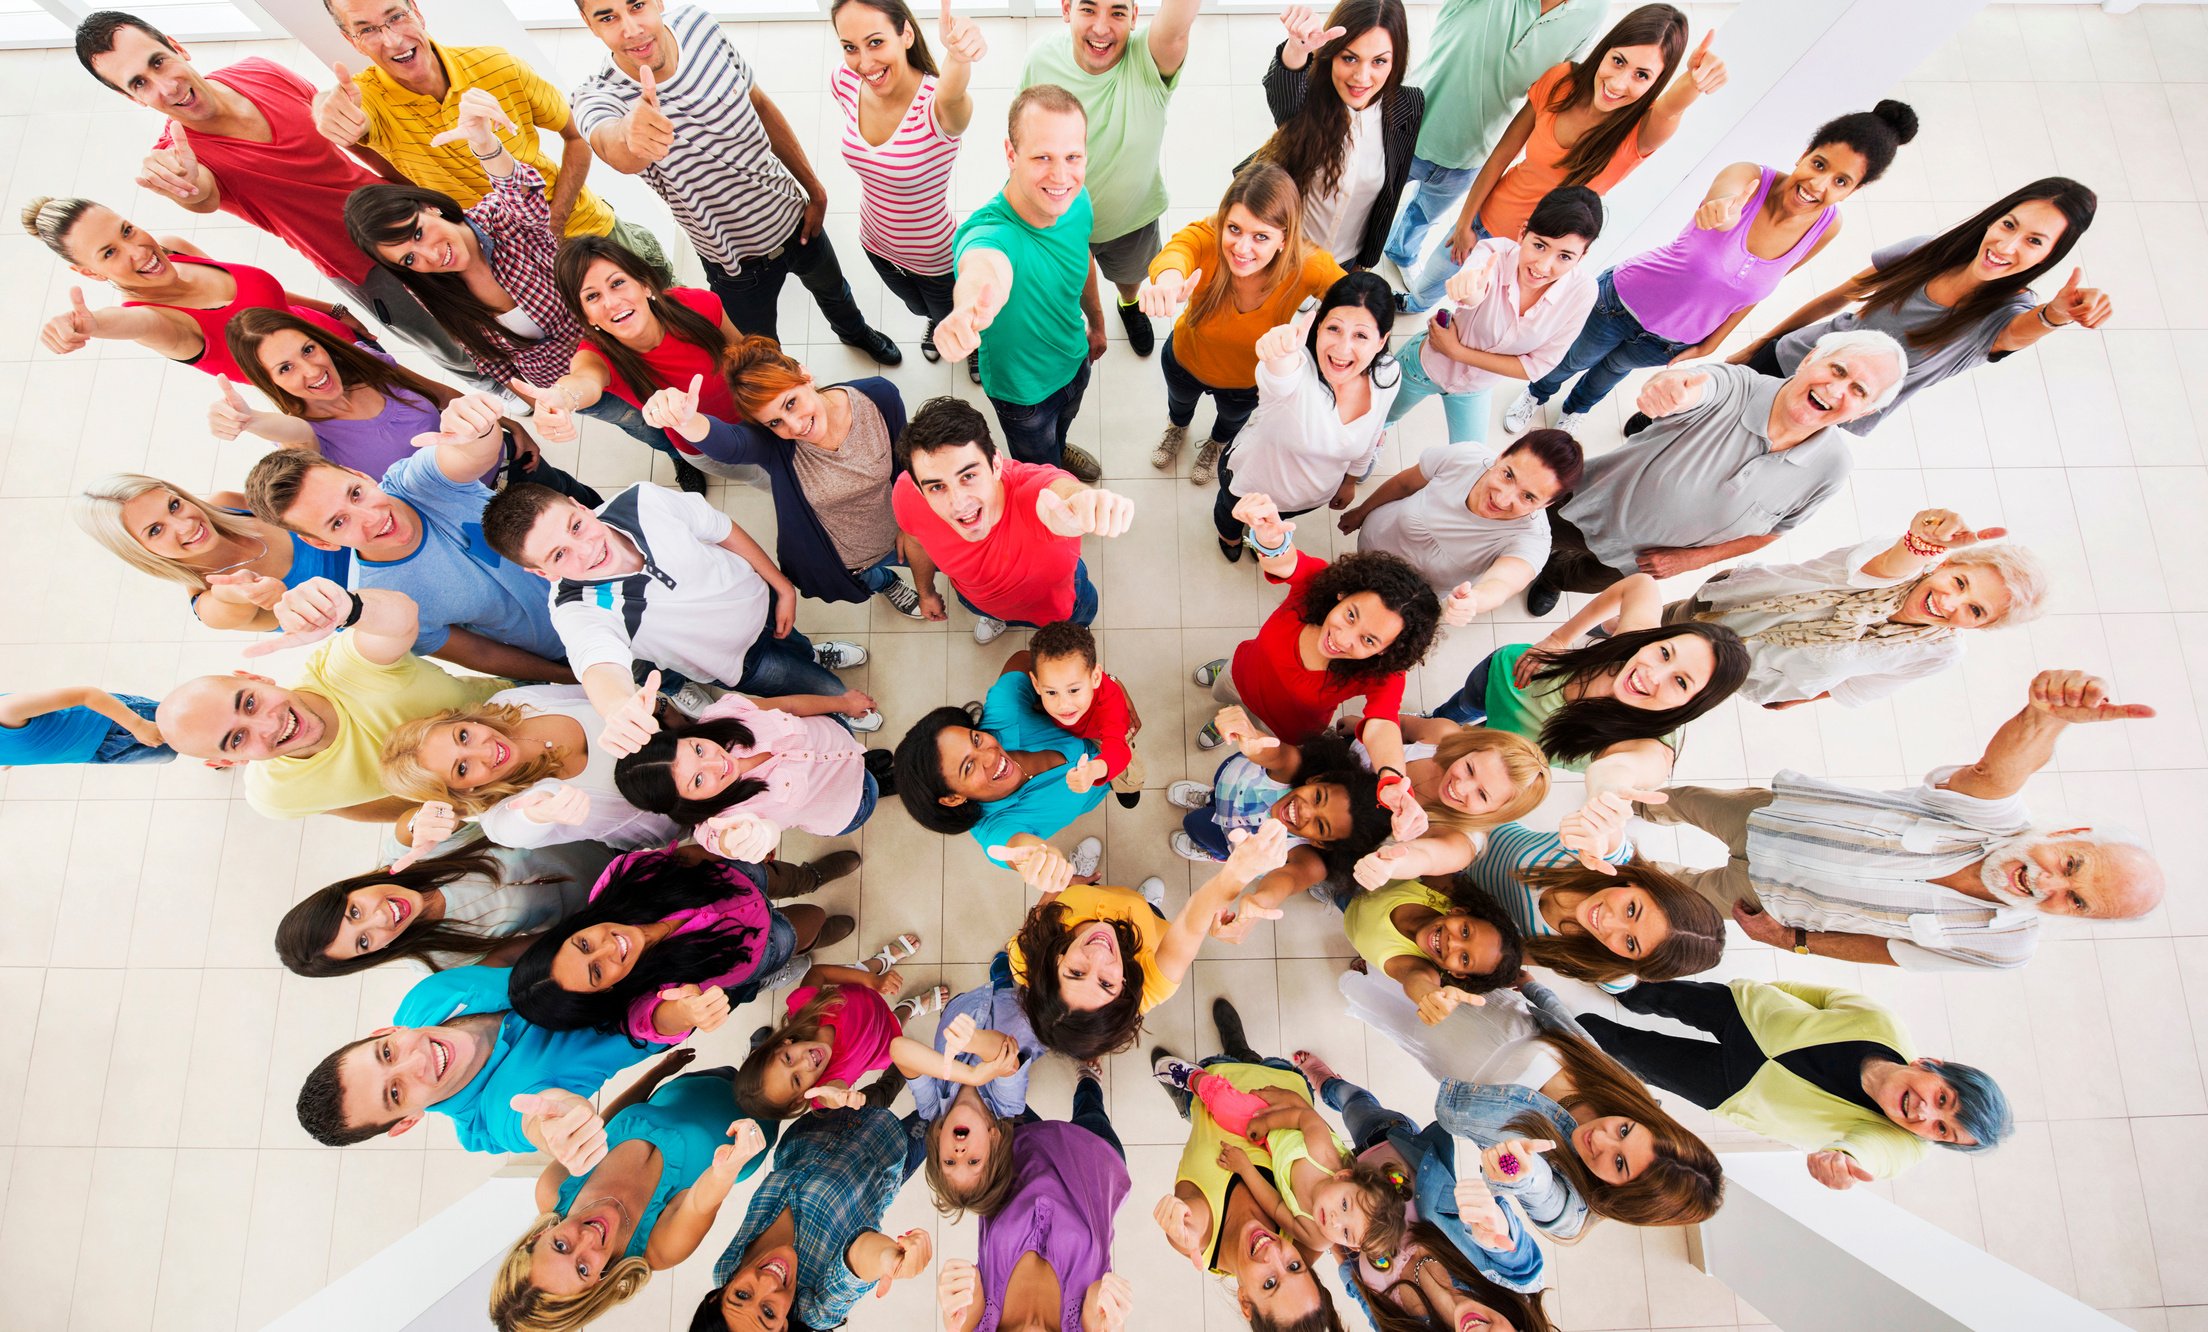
[(241, 718), (2074, 872)]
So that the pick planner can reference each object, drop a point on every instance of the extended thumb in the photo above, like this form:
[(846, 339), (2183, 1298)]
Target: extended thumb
[(230, 395), (528, 1103)]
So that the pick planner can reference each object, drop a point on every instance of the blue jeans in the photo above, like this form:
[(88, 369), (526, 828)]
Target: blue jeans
[(878, 576), (1084, 600), (1611, 345), (1036, 432), (751, 297), (925, 294), (1427, 284), (1206, 833), (1469, 704), (1367, 1120), (1430, 197), (630, 421), (120, 746), (777, 666), (867, 797), (1467, 412)]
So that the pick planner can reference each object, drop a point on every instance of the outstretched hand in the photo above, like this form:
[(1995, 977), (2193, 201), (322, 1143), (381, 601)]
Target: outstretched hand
[(2078, 697), (629, 727)]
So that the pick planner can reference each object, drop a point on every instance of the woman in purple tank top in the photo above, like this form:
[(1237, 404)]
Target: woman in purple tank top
[(1756, 224)]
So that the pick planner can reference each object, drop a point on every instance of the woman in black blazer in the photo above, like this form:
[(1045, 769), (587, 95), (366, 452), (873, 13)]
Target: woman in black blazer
[(1326, 127)]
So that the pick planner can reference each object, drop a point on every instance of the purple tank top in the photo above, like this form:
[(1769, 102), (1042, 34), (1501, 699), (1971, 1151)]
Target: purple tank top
[(1684, 290), (1066, 1184), (372, 445)]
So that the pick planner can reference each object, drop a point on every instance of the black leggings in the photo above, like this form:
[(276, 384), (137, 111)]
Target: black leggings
[(1707, 1073)]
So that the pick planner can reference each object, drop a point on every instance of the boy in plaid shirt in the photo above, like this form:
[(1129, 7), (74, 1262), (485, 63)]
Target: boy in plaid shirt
[(1079, 696)]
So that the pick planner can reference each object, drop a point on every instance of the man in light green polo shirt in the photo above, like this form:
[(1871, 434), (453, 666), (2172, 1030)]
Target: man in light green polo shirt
[(1483, 56), (1124, 77)]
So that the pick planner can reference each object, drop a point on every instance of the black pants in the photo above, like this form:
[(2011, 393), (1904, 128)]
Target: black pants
[(1572, 567), (750, 297), (1707, 1073), (927, 295), (1182, 390), (1222, 505), (545, 474)]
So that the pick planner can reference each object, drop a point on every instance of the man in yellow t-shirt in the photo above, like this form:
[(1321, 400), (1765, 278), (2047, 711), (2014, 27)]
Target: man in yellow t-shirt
[(313, 748), (410, 93)]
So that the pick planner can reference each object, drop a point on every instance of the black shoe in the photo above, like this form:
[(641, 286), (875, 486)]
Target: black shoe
[(1231, 551), (689, 478), (1402, 302), (1127, 799), (928, 352), (1541, 598), (1233, 1041), (874, 343), (973, 366), (1141, 338), (1637, 422), (1181, 1099), (882, 763), (883, 1091)]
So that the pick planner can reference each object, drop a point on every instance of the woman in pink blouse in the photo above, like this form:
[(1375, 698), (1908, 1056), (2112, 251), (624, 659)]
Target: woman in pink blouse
[(787, 769), (902, 118)]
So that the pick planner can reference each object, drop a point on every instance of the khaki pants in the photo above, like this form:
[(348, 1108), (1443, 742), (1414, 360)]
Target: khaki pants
[(1723, 815), (1130, 777)]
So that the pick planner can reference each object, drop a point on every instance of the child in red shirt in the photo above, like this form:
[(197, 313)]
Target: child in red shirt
[(1080, 697)]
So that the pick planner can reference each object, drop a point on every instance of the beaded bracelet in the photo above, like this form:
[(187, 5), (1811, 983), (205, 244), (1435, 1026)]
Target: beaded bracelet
[(1917, 546)]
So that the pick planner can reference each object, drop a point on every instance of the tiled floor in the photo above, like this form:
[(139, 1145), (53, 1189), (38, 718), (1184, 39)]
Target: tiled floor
[(151, 1173)]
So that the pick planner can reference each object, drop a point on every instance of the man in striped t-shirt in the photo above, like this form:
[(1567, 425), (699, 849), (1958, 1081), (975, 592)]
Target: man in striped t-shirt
[(675, 104), (1948, 874)]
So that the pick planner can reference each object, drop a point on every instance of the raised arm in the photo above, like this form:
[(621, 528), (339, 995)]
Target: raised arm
[(784, 143), (1931, 535), (163, 332), (687, 1219), (2056, 701), (383, 628), (1702, 74), (636, 141), (984, 282), (960, 45), (1169, 35), (469, 437), (1252, 857), (1402, 485), (16, 709), (2075, 305), (1813, 311), (1506, 151), (575, 157), (1273, 535)]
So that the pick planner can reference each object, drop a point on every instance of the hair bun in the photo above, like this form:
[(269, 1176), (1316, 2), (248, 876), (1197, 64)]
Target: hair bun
[(1900, 115), (31, 211)]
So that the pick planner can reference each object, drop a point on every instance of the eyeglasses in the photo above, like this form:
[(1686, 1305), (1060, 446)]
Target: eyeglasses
[(370, 31)]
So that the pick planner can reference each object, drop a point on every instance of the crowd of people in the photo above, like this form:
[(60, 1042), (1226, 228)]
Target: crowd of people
[(586, 719)]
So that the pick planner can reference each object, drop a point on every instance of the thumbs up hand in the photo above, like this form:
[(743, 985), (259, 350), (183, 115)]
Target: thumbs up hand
[(635, 722), (1705, 68), (676, 409), (551, 410), (1722, 214), (650, 135), (2087, 307), (230, 416), (1285, 341), (1306, 33), (958, 335), (1468, 286), (70, 330), (961, 38), (173, 170), (1460, 607), (478, 122), (1167, 294), (1672, 391), (338, 113)]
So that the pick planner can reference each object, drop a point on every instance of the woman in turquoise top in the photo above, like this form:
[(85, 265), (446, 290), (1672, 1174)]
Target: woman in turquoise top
[(1614, 708), (998, 779), (643, 1208), (235, 565)]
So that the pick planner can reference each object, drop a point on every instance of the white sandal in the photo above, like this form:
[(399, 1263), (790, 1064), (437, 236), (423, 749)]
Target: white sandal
[(893, 952), (921, 1005)]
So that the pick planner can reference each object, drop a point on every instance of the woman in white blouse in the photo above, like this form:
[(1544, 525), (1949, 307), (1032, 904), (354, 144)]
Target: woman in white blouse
[(1855, 624), (1325, 382)]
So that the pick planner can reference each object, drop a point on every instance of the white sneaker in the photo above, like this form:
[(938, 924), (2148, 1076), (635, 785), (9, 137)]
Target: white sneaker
[(1570, 423), (693, 699), (837, 655), (1188, 795), (988, 629), (1185, 847), (1523, 409), (511, 402), (867, 722), (1153, 892), (1088, 857)]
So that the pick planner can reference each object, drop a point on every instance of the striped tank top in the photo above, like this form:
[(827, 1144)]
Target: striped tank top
[(904, 182)]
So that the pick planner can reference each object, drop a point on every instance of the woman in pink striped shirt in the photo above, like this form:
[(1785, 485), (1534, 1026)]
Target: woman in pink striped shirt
[(902, 119)]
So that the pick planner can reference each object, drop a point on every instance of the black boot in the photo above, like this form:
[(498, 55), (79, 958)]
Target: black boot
[(882, 763), (1233, 1041), (689, 478)]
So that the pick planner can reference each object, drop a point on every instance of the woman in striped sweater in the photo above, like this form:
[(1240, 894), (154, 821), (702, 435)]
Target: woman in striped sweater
[(902, 118)]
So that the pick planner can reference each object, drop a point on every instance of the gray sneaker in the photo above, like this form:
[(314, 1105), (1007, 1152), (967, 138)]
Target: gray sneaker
[(693, 699), (837, 655), (1169, 448), (1206, 468), (988, 629), (900, 595), (1081, 463)]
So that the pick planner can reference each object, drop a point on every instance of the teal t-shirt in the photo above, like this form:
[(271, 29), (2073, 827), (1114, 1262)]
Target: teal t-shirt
[(65, 735), (687, 1119), (1044, 804), (524, 1057), (1126, 111), (1037, 342), (1483, 56)]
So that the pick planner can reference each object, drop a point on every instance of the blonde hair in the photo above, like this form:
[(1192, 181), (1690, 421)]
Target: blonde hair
[(1522, 759), (517, 1306), (51, 220), (405, 775), (98, 511)]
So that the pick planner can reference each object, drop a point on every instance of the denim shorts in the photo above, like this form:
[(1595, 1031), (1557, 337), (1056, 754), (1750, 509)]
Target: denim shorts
[(867, 798), (780, 947), (120, 746)]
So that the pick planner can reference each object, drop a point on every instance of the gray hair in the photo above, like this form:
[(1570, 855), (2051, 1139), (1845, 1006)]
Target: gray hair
[(99, 512), (2018, 569), (1866, 340)]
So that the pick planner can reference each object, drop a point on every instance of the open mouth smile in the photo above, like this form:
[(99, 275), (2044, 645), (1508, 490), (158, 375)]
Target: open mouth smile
[(290, 727), (1818, 401)]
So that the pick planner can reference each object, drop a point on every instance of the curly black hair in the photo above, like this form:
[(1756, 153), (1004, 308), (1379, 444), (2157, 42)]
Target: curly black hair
[(1399, 587), (1465, 898), (1327, 758)]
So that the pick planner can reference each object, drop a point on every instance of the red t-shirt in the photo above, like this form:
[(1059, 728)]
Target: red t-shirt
[(295, 185), (1105, 726), (1021, 571), (257, 287), (1287, 697), (674, 361)]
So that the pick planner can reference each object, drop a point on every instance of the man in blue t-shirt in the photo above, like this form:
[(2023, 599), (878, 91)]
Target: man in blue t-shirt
[(421, 532), (456, 1048)]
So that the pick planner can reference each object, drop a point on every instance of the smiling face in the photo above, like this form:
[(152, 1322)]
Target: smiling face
[(468, 754), (390, 33), (1348, 338), (792, 1070), (1544, 259), (240, 719), (1919, 1099), (374, 915), (1479, 783), (153, 73), (618, 304), (167, 524), (1361, 68), (597, 957), (301, 366), (1067, 687), (966, 1136), (1823, 176), (1517, 486), (2072, 873), (1461, 1313), (567, 541), (1665, 674), (573, 1255), (801, 413), (1359, 626), (702, 769), (107, 247), (435, 246), (1462, 945), (1625, 74), (1316, 812), (1624, 919), (2017, 240), (963, 486), (1270, 1275), (398, 1073), (1957, 596), (633, 31), (1834, 388), (338, 508), (1091, 972), (1248, 242), (873, 49), (758, 1296), (1614, 1148), (1101, 29), (1046, 161), (975, 765)]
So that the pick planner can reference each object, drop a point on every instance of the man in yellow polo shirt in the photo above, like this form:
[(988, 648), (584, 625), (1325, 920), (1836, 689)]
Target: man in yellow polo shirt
[(389, 112)]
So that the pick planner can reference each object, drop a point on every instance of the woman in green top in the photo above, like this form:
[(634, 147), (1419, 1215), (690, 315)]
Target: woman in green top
[(1614, 708)]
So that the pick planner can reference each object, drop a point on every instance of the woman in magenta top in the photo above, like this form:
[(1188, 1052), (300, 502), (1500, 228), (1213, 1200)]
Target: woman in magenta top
[(176, 300), (1067, 1182), (902, 118), (1680, 301)]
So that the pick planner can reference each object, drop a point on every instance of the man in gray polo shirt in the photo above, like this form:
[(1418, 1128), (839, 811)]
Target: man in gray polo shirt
[(1731, 460)]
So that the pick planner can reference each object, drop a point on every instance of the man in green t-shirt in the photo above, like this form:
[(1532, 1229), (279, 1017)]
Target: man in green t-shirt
[(1026, 287), (1483, 56), (1124, 78)]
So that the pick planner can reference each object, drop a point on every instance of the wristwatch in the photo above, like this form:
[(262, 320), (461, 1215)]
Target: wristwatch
[(1801, 940)]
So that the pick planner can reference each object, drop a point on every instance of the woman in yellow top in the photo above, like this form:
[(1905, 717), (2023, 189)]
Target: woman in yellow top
[(1113, 954), (1443, 950), (1225, 281)]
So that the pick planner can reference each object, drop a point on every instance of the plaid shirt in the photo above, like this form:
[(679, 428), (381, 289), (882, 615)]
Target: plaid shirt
[(515, 224), (836, 1173), (1242, 795)]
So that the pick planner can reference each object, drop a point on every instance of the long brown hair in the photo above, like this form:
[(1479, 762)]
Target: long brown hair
[(1523, 1310), (1271, 196), (312, 923), (806, 1024), (1311, 143), (385, 214), (681, 322), (355, 365), (1694, 945), (1650, 25), (1683, 1185), (1959, 244)]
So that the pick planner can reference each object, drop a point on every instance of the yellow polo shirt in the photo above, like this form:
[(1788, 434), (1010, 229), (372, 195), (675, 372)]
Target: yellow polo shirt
[(402, 122)]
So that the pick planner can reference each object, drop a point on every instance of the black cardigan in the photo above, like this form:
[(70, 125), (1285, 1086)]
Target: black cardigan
[(1399, 120)]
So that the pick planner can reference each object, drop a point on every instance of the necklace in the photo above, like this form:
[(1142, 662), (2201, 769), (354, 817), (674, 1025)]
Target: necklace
[(263, 541)]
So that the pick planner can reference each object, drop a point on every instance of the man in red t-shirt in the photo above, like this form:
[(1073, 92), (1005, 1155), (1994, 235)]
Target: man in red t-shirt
[(1006, 533), (244, 141)]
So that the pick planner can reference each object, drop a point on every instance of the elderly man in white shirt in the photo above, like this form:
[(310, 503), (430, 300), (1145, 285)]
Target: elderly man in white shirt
[(1949, 874), (1855, 624)]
